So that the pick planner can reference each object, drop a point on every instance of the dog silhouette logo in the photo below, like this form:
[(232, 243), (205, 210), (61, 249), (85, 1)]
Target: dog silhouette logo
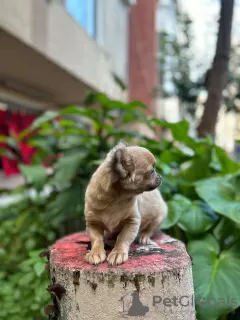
[(132, 305)]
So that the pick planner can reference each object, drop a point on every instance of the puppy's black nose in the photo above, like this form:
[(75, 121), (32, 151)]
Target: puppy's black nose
[(159, 179)]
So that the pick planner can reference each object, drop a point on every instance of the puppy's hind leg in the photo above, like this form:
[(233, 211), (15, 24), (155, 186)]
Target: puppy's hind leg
[(147, 229)]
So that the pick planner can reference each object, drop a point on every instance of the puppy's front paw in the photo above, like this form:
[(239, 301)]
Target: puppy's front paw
[(116, 257), (95, 257), (145, 239)]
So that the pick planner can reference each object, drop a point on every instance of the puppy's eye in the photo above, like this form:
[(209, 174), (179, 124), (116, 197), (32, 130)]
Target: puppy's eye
[(152, 171)]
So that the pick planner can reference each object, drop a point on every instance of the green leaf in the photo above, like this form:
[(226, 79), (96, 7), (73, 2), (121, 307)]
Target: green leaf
[(12, 142), (226, 164), (198, 168), (91, 114), (73, 110), (66, 123), (90, 98), (180, 133), (35, 174), (176, 208), (221, 195), (174, 156), (197, 218), (47, 116), (227, 232), (137, 104), (39, 268), (93, 98), (216, 278), (42, 143), (179, 129), (8, 154), (215, 162), (26, 279), (67, 167), (67, 203), (163, 167)]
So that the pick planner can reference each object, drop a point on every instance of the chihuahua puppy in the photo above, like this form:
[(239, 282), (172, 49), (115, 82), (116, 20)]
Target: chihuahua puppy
[(122, 200)]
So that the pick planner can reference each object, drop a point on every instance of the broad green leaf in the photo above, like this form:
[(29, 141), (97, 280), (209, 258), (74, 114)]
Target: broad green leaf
[(176, 208), (179, 129), (67, 203), (216, 278), (197, 218), (39, 268), (156, 147), (35, 174), (66, 123), (226, 163), (47, 116), (12, 142), (136, 104), (221, 195), (26, 279), (67, 167), (180, 133), (163, 167), (90, 98), (90, 114), (173, 155), (81, 111), (221, 162), (136, 116), (215, 162), (34, 254), (199, 168), (42, 143), (117, 105), (93, 98), (227, 231)]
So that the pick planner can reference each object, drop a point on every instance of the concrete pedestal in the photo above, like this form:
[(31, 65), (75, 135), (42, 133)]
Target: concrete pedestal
[(154, 284)]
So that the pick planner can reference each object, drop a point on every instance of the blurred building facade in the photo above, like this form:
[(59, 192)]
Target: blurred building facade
[(55, 51)]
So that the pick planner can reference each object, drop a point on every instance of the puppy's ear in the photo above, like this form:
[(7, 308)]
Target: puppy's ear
[(121, 144), (122, 163)]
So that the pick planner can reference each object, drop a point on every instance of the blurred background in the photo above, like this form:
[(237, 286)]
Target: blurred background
[(76, 76), (53, 52)]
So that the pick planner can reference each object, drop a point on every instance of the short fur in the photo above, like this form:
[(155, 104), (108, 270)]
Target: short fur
[(122, 200)]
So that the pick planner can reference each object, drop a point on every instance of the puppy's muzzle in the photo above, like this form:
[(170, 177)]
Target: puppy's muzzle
[(159, 180), (157, 183)]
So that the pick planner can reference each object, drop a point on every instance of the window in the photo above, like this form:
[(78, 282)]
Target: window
[(84, 12)]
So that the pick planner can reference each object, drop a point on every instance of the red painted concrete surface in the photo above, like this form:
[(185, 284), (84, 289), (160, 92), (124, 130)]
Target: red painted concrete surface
[(168, 254)]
